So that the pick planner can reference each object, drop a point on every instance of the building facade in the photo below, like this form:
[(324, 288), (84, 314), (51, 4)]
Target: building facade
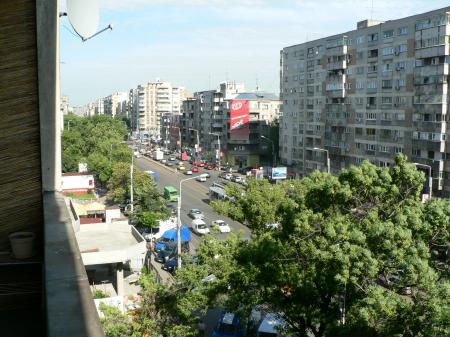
[(370, 93), (116, 104), (151, 103)]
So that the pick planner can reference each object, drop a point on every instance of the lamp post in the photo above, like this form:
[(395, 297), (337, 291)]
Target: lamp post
[(179, 218), (218, 142), (68, 124), (328, 157), (131, 184), (274, 158), (430, 178)]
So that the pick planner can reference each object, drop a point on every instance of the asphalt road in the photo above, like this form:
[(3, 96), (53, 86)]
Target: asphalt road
[(194, 195)]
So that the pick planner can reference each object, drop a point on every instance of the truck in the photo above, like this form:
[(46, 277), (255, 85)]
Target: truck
[(158, 232), (154, 176), (159, 155)]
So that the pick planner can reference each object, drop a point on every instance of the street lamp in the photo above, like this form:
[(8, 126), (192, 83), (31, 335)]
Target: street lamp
[(68, 124), (430, 178), (131, 183), (328, 157), (179, 218), (218, 142), (274, 158)]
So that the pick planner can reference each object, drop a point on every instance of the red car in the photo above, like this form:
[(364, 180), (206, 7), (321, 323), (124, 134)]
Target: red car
[(210, 167), (201, 164), (194, 169)]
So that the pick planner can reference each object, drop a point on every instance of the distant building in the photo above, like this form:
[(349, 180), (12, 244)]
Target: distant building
[(206, 119), (77, 183), (64, 105), (116, 104), (151, 104)]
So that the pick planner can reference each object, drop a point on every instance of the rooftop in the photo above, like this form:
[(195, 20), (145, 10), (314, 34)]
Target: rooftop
[(256, 96)]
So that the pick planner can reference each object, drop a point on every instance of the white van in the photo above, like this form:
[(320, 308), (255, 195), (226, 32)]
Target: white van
[(199, 227)]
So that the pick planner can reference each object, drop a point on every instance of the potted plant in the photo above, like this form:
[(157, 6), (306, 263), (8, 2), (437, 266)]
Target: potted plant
[(22, 244)]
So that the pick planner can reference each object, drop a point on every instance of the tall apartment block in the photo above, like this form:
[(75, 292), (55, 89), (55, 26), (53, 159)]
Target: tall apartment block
[(151, 102), (370, 93), (116, 104)]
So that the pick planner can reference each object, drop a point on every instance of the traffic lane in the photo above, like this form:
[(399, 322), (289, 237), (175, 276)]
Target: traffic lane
[(194, 195)]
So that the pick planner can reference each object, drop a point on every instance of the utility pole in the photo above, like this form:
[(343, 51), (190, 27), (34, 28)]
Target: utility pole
[(131, 183)]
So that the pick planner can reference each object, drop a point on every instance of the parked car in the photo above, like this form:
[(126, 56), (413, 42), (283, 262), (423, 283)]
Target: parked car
[(210, 167), (226, 176), (169, 163), (229, 325), (163, 161), (195, 213), (171, 265), (201, 164), (206, 175), (181, 168), (237, 179), (201, 178), (188, 173), (221, 225), (165, 254), (194, 169), (199, 227), (172, 158)]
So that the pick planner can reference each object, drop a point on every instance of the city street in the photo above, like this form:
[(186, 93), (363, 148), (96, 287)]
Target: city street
[(194, 195)]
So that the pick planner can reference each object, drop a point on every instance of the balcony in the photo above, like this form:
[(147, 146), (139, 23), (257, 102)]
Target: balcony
[(337, 65)]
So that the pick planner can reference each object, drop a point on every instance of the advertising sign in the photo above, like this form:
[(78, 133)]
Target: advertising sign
[(279, 173), (239, 119)]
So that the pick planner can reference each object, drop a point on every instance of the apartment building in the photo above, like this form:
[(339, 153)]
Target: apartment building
[(205, 113), (370, 93), (153, 101), (253, 147), (116, 104)]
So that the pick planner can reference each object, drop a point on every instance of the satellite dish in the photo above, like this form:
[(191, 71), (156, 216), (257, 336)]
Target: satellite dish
[(84, 17)]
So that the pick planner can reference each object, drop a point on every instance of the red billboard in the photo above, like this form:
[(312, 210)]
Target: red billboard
[(239, 120)]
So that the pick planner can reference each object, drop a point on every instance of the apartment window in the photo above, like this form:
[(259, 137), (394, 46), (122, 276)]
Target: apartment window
[(371, 132), (358, 131), (398, 149), (360, 39), (372, 85), (372, 37), (401, 65), (348, 85), (358, 145), (301, 77), (360, 85), (416, 152), (359, 160), (386, 100), (359, 100), (388, 34), (401, 82), (386, 84), (371, 147), (373, 68), (403, 31), (403, 48), (386, 67), (349, 71), (371, 116), (373, 53), (430, 154), (388, 51), (419, 63), (360, 70), (386, 116), (371, 101), (384, 148)]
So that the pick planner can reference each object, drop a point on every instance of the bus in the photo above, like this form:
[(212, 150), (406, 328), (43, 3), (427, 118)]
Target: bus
[(171, 193)]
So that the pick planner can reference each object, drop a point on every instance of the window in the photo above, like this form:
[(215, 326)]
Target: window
[(371, 132), (386, 67), (388, 34), (386, 84), (360, 85), (401, 65), (360, 70), (372, 85), (373, 53), (386, 100), (403, 31), (360, 39), (372, 37), (358, 145), (371, 116), (384, 148), (416, 152), (388, 51), (373, 68), (398, 149), (430, 154), (349, 71), (360, 100), (371, 147), (403, 48), (401, 83)]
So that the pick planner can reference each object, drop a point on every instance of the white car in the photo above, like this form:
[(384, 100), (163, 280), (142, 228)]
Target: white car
[(201, 179), (222, 225), (163, 161), (188, 173), (172, 158), (199, 227), (238, 179)]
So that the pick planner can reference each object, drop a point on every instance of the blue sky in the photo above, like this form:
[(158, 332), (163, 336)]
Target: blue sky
[(199, 43)]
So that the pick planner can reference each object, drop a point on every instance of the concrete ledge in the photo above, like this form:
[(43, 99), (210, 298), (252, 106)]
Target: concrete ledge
[(70, 308)]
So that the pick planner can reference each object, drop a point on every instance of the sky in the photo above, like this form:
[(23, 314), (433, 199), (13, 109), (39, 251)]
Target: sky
[(198, 44)]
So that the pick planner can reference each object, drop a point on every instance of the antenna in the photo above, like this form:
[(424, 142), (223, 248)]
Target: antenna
[(257, 86), (371, 11), (84, 17)]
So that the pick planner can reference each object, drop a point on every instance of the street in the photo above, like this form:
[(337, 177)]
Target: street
[(194, 195)]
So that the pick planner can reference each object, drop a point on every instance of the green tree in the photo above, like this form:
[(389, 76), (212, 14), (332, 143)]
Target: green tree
[(359, 248)]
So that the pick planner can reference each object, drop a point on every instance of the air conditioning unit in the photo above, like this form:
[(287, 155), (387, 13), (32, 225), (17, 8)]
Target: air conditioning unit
[(398, 68)]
